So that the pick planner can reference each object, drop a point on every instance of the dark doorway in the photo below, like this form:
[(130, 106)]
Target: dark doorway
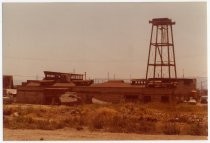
[(165, 99), (131, 98), (147, 99)]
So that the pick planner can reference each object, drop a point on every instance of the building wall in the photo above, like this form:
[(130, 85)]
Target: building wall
[(30, 97), (35, 95), (109, 97), (116, 98), (114, 94)]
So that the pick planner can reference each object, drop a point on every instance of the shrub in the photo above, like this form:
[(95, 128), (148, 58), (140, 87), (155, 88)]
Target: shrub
[(23, 110), (146, 127), (49, 124), (74, 121), (131, 123), (19, 122), (171, 128), (29, 109), (5, 122), (102, 117), (7, 111), (118, 123), (25, 122), (198, 129)]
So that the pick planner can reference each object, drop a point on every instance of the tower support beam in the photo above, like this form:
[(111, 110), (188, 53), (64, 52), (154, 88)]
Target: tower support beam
[(161, 57)]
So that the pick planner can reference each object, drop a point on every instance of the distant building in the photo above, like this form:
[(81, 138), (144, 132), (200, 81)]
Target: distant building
[(48, 90), (8, 82)]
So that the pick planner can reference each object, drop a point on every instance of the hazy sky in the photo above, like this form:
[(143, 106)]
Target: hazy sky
[(98, 38)]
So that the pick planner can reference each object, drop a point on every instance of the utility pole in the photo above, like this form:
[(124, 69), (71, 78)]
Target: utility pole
[(183, 72), (37, 77), (201, 92), (85, 75)]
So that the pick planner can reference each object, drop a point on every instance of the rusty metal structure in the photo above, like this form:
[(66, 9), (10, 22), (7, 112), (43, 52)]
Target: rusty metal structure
[(161, 83), (48, 90), (77, 79), (162, 62)]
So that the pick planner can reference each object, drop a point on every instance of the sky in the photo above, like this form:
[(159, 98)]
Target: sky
[(98, 38)]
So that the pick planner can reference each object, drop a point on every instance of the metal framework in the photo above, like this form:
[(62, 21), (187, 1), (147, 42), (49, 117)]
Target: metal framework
[(161, 58)]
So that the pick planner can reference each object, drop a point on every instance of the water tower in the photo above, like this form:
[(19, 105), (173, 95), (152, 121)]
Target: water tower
[(161, 58)]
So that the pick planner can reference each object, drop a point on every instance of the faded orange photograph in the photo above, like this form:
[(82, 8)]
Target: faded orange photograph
[(104, 71)]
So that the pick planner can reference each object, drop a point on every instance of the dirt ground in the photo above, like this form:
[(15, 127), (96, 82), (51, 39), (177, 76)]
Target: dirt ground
[(73, 134)]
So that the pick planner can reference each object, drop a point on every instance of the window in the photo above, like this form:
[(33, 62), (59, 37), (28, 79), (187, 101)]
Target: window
[(164, 99), (147, 99)]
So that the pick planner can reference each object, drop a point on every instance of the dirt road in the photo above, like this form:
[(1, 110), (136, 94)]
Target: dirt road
[(73, 134)]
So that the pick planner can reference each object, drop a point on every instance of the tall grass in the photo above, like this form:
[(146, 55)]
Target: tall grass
[(22, 122), (198, 129), (103, 117), (125, 117), (171, 128)]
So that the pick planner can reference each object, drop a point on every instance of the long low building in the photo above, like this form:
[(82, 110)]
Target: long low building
[(50, 89), (117, 91)]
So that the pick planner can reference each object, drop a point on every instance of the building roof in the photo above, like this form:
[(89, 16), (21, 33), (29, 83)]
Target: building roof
[(33, 84), (112, 83), (64, 84), (59, 73)]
